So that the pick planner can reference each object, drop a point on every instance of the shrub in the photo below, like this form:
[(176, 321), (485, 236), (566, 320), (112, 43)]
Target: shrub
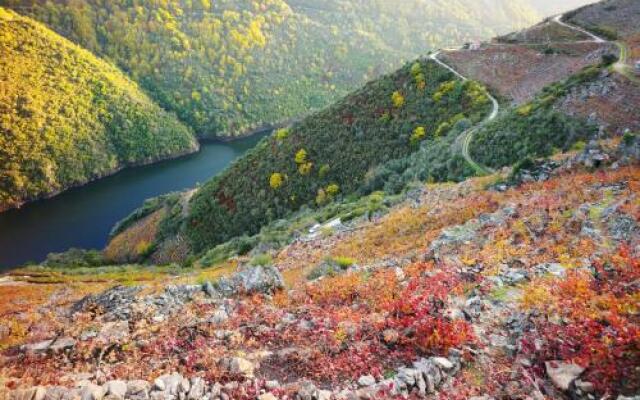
[(75, 258), (592, 320), (349, 136), (261, 260), (301, 156), (276, 180), (418, 134), (398, 99), (281, 134)]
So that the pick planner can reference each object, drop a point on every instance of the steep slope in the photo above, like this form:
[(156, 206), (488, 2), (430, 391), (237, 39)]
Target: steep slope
[(227, 68), (615, 18), (330, 153), (336, 153), (417, 25), (453, 291), (68, 117)]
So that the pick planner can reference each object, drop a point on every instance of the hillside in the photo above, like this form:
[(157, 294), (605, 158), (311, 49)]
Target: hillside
[(329, 153), (422, 238), (228, 68), (454, 291), (407, 127), (68, 117)]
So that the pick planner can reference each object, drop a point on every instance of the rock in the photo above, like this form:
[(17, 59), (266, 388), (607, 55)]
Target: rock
[(55, 345), (40, 393), (238, 366), (563, 374), (198, 387), (366, 380), (137, 390), (184, 386), (115, 302), (22, 394), (407, 376), (117, 389), (514, 276), (210, 290), (499, 341), (267, 396), (554, 269), (307, 391), (91, 392), (55, 392), (442, 363), (430, 374), (158, 384), (323, 395), (259, 279), (584, 386), (473, 308), (328, 267), (172, 383), (113, 332), (219, 316)]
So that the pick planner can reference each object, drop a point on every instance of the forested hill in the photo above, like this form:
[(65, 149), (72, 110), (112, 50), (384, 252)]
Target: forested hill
[(229, 67), (418, 25), (67, 117), (330, 153)]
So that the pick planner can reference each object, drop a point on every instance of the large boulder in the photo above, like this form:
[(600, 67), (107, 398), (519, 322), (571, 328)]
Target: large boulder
[(116, 302), (258, 279)]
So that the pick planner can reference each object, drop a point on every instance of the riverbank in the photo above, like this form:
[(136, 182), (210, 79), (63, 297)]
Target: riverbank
[(83, 216)]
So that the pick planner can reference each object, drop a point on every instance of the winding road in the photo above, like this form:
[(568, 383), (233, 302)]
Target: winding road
[(466, 137), (596, 39)]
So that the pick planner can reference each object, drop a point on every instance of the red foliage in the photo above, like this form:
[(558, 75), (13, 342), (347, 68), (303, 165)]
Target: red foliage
[(599, 328), (420, 311)]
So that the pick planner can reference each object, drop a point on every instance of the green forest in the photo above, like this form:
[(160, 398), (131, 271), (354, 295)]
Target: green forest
[(230, 67), (67, 117), (329, 154)]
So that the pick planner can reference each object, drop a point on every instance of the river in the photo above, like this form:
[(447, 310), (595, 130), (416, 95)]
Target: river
[(82, 217)]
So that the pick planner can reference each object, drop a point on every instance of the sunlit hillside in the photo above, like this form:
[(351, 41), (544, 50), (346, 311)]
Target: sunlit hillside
[(68, 117), (230, 67)]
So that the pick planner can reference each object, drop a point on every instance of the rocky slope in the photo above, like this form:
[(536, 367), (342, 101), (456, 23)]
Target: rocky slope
[(522, 284), (491, 288)]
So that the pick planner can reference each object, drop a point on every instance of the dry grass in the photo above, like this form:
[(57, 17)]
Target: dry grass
[(519, 72), (136, 241)]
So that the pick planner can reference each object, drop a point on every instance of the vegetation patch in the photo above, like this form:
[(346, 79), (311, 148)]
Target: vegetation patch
[(328, 155)]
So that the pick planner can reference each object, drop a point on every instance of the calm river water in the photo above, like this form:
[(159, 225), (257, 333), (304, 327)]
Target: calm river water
[(83, 217)]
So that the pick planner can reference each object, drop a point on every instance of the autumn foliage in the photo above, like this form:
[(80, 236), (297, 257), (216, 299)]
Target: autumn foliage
[(592, 320)]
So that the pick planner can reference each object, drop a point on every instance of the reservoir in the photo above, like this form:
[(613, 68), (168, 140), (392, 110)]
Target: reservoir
[(82, 217)]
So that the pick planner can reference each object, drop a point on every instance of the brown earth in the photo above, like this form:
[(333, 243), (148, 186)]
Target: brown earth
[(618, 16), (545, 32), (518, 72), (613, 101)]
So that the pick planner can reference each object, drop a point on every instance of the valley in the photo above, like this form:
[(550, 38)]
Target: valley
[(83, 217), (465, 226)]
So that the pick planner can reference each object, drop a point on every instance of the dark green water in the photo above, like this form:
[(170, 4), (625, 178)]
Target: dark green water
[(83, 217)]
